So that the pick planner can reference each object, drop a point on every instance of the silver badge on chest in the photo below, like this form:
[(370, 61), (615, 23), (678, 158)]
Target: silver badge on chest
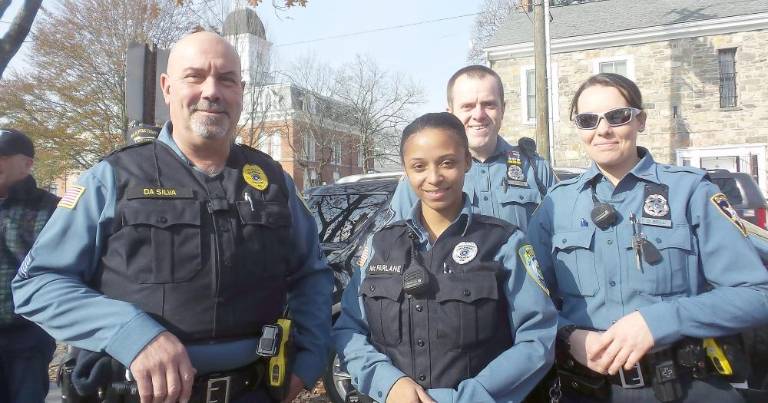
[(656, 206), (464, 252), (515, 173)]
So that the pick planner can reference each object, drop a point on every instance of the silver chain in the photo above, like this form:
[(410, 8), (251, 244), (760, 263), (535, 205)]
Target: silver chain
[(554, 392)]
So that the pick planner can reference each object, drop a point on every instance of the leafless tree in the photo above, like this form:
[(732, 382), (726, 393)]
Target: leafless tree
[(492, 14), (381, 103), (11, 41)]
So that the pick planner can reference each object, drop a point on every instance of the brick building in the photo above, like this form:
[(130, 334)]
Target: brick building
[(701, 65)]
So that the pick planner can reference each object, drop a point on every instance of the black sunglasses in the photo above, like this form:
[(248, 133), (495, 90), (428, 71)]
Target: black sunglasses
[(614, 117)]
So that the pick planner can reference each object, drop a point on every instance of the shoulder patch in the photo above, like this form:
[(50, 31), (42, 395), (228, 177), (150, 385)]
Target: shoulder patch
[(72, 197), (721, 202), (528, 257)]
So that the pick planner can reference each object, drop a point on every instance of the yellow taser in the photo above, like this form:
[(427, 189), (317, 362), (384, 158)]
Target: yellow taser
[(717, 356), (279, 363)]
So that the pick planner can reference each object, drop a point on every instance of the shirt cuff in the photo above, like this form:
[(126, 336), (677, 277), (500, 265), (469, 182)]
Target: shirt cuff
[(308, 367), (132, 338), (662, 321), (385, 378)]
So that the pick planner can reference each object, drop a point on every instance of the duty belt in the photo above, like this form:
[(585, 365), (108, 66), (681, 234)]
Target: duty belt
[(219, 387)]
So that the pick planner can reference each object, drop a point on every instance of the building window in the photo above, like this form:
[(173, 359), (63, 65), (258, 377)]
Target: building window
[(276, 146), (336, 153), (616, 66), (263, 143), (309, 147), (528, 94), (624, 65), (727, 59)]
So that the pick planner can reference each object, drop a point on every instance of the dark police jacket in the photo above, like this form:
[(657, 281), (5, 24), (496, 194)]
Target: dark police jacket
[(188, 248), (460, 324)]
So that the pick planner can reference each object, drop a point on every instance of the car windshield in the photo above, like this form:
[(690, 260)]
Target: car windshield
[(730, 187), (340, 216)]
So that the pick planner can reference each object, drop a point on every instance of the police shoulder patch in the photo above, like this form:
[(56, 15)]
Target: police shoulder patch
[(255, 176), (528, 257), (721, 202), (71, 197)]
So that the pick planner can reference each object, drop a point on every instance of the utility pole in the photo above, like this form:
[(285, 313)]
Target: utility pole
[(540, 60)]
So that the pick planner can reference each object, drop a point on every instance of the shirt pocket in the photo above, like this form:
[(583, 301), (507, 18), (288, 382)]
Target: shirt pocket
[(574, 262), (467, 309), (670, 275), (163, 240), (520, 196), (382, 299)]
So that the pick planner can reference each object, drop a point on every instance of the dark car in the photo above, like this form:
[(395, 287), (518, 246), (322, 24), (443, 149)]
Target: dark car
[(743, 193), (346, 213)]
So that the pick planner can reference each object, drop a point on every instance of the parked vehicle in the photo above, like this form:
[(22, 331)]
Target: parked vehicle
[(743, 193), (346, 213)]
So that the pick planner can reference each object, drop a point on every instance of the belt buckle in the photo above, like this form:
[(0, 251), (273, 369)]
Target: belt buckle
[(218, 390), (635, 381)]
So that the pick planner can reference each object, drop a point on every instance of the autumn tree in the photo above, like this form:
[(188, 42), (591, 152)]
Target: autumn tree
[(71, 96), (11, 41)]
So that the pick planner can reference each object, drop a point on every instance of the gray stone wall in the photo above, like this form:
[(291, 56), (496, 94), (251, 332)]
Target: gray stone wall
[(680, 84)]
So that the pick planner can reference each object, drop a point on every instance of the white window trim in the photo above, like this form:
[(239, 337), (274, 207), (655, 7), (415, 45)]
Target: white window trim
[(276, 144), (554, 107), (627, 58)]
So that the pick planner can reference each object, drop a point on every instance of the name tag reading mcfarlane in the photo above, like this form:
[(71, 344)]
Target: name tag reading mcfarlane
[(157, 193), (384, 269)]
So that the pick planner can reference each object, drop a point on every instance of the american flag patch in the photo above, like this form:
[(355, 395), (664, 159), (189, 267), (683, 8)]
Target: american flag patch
[(70, 199)]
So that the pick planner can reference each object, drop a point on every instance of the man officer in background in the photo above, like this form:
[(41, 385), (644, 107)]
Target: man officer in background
[(25, 349), (171, 255), (504, 181)]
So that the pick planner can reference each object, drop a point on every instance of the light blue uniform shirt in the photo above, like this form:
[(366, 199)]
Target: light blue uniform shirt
[(52, 287), (509, 377), (487, 188), (709, 283)]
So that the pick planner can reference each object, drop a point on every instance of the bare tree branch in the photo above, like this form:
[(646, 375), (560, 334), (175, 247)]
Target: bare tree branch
[(11, 42)]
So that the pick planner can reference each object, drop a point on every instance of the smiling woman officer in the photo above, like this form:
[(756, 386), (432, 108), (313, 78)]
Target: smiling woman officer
[(648, 260), (448, 305)]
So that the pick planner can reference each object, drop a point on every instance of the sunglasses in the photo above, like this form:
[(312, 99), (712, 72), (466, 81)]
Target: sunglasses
[(614, 117)]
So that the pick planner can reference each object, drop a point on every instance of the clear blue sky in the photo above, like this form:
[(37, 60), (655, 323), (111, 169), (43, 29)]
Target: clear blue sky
[(428, 53)]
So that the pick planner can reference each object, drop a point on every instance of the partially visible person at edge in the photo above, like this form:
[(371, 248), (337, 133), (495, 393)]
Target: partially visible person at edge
[(449, 305), (691, 274), (25, 349), (170, 255), (505, 181)]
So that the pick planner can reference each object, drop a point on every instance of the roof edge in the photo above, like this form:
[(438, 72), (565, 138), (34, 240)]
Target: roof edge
[(716, 26)]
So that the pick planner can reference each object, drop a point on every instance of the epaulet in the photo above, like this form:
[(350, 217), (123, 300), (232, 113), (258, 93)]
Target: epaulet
[(676, 169), (565, 182), (486, 219), (126, 147), (248, 148), (398, 223)]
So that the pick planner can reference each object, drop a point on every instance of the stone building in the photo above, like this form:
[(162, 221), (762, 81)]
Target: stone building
[(701, 65), (306, 133)]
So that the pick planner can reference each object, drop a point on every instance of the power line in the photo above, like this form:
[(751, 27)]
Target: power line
[(413, 24)]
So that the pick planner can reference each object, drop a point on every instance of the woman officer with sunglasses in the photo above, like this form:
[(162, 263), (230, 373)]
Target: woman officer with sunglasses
[(645, 260)]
